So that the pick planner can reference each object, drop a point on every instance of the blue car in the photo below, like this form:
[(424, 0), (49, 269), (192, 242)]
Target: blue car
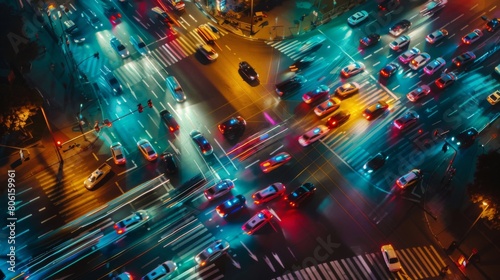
[(231, 206)]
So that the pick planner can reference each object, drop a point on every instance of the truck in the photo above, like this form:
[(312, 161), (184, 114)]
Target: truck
[(97, 176)]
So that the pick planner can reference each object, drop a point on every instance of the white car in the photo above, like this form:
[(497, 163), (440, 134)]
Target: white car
[(420, 61), (472, 37), (313, 135), (119, 47), (357, 18), (432, 7), (352, 69), (131, 222), (327, 107), (212, 252), (434, 66), (161, 272), (139, 45), (408, 55), (390, 258), (269, 193), (436, 36), (494, 98), (409, 179), (147, 150), (418, 93), (208, 52), (257, 221), (400, 43), (117, 153), (219, 189)]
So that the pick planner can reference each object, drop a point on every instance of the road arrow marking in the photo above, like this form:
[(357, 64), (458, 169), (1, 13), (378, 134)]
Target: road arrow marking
[(278, 259), (249, 252), (131, 168), (290, 250), (236, 264), (268, 261)]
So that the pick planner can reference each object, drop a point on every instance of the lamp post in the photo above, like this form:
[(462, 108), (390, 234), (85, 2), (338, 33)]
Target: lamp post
[(52, 135), (251, 17), (485, 205)]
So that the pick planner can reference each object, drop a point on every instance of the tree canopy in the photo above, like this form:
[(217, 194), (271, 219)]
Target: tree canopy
[(486, 186)]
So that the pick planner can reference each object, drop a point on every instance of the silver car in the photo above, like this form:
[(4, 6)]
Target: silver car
[(139, 45), (119, 47), (212, 252)]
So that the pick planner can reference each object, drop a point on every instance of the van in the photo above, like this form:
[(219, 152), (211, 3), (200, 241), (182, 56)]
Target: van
[(175, 88)]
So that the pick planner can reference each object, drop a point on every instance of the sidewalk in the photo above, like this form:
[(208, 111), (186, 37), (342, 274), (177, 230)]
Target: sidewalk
[(456, 217)]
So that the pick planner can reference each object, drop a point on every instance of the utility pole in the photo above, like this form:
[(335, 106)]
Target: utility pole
[(251, 18), (52, 135)]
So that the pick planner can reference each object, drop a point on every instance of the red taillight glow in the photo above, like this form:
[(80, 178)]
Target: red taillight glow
[(397, 125)]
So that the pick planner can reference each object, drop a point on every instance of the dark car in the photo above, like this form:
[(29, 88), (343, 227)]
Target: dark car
[(389, 70), (233, 128), (466, 138), (464, 58), (370, 40), (300, 194), (386, 5), (290, 85), (375, 163), (446, 80), (400, 27), (248, 71), (406, 120), (202, 143), (170, 163), (375, 110), (302, 63), (112, 14), (231, 206), (169, 120), (338, 118), (320, 92), (493, 24)]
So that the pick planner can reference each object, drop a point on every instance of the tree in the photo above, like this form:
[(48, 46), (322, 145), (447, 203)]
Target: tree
[(485, 187)]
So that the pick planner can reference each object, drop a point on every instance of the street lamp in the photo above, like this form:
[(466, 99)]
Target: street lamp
[(251, 18), (485, 205)]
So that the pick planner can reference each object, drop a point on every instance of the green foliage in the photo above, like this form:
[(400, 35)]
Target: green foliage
[(486, 186)]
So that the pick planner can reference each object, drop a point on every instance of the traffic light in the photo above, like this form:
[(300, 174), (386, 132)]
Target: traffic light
[(140, 108), (107, 123), (96, 127), (59, 144), (150, 103), (445, 147)]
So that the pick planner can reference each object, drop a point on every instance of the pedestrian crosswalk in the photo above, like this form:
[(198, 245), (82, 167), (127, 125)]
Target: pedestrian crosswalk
[(422, 262), (289, 48)]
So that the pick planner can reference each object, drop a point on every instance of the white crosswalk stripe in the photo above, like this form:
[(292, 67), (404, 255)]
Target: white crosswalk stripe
[(418, 263)]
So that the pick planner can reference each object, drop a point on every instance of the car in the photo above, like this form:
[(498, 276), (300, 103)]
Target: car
[(352, 69), (313, 135), (418, 93), (400, 27), (494, 98), (91, 18), (370, 40), (113, 83), (131, 222), (161, 272), (375, 162), (497, 69), (389, 70), (385, 5), (257, 221), (112, 14), (466, 138), (432, 7), (408, 55), (347, 90), (119, 47), (207, 34), (300, 194), (302, 63), (170, 163), (117, 153), (320, 92), (162, 16), (74, 32), (97, 176), (231, 206), (175, 88), (169, 120), (446, 80), (419, 61), (208, 52), (219, 189), (472, 37), (406, 120), (400, 43), (233, 127), (248, 71), (463, 59), (375, 110), (493, 24), (212, 252), (327, 107), (147, 150), (275, 162), (269, 193), (338, 118), (409, 179), (139, 45), (434, 66), (390, 258), (436, 36), (122, 276), (312, 44), (202, 143), (357, 18), (290, 85)]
